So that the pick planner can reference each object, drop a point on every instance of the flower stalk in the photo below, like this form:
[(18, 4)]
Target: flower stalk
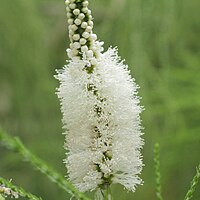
[(157, 171), (108, 194)]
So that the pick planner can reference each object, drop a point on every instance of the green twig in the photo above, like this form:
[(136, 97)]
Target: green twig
[(193, 184), (14, 144), (157, 171), (20, 191), (108, 194)]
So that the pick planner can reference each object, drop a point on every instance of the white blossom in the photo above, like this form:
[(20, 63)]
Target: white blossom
[(101, 110)]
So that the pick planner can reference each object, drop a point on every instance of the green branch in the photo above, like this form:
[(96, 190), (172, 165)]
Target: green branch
[(20, 191), (157, 171), (14, 144), (193, 185)]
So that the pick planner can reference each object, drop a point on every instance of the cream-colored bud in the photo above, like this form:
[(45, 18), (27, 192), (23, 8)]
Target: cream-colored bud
[(67, 9), (86, 35), (84, 25), (77, 21), (72, 6), (91, 23), (71, 32), (93, 36), (74, 27), (69, 53), (89, 12), (85, 3), (67, 2), (71, 45), (88, 29), (76, 45), (81, 16), (76, 37), (82, 41), (85, 10), (69, 15), (90, 17), (70, 21), (75, 52), (84, 48), (76, 11)]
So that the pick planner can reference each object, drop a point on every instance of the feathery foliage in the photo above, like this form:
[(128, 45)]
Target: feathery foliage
[(20, 191), (14, 144), (193, 185)]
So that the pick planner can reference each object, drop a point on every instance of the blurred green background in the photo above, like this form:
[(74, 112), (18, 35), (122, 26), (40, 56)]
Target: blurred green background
[(160, 41)]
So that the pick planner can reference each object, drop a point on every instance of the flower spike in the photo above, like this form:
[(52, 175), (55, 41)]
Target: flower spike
[(101, 111)]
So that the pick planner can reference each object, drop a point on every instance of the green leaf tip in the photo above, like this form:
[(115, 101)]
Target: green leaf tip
[(193, 184)]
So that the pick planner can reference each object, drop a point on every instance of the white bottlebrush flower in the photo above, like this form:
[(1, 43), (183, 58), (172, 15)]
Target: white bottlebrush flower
[(101, 111)]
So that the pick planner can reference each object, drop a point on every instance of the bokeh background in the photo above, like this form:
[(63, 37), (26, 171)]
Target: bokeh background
[(160, 41)]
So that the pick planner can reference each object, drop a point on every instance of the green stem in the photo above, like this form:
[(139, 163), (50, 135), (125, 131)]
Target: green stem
[(157, 171), (108, 194)]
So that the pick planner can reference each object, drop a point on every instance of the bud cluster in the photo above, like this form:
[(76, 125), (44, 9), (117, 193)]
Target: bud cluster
[(83, 42)]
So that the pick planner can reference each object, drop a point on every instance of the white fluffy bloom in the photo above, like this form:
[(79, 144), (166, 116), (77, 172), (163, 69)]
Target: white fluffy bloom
[(100, 110)]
